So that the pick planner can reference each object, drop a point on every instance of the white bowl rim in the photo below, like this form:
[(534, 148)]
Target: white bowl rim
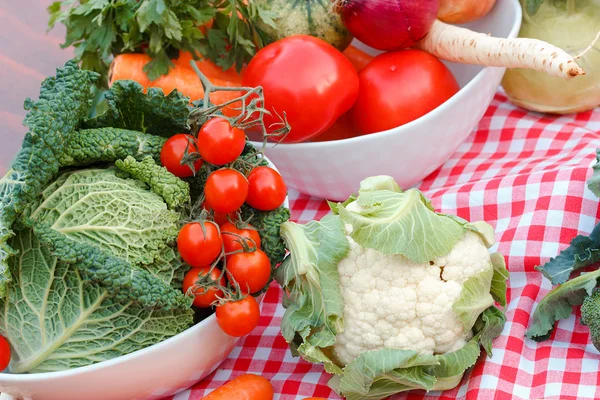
[(47, 376), (432, 114)]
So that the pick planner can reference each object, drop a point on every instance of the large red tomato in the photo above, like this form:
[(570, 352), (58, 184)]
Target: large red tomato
[(399, 87), (308, 79)]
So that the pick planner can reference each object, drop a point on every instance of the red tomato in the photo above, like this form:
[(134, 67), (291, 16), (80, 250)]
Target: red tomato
[(219, 143), (4, 353), (399, 87), (342, 129), (238, 318), (308, 79), (226, 190), (251, 270), (267, 189), (232, 242), (199, 248), (173, 151), (203, 298)]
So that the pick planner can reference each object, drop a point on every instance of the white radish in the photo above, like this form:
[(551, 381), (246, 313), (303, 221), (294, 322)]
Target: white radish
[(461, 45)]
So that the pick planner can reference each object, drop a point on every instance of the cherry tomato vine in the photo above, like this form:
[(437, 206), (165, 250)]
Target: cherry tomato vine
[(215, 150)]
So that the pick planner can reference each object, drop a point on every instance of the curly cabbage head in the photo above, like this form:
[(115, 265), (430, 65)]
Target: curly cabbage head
[(390, 295), (88, 222)]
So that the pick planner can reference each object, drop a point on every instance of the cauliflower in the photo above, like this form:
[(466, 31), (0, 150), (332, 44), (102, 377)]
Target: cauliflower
[(409, 305), (390, 295)]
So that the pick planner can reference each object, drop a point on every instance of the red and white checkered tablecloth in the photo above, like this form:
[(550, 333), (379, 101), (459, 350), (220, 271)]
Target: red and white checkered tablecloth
[(525, 174)]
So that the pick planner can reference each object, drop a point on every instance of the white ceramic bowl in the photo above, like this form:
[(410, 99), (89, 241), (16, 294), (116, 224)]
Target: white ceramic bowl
[(333, 170), (151, 373)]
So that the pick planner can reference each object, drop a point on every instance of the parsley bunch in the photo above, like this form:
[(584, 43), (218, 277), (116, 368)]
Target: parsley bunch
[(99, 29)]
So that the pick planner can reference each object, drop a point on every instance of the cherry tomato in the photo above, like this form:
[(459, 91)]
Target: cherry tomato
[(399, 87), (197, 247), (251, 270), (203, 298), (308, 79), (218, 218), (173, 151), (232, 242), (219, 143), (226, 190), (4, 353), (267, 189), (238, 318)]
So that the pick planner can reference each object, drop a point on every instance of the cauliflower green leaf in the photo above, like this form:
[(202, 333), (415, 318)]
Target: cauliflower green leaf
[(310, 273), (93, 325), (558, 304), (151, 112), (498, 286), (378, 374), (400, 223), (489, 326), (474, 298), (172, 189)]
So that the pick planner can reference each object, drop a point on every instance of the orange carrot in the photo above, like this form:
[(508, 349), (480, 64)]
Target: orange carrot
[(182, 78), (357, 57), (209, 68), (244, 387), (129, 66)]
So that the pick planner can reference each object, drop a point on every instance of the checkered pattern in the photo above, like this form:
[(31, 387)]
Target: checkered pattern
[(525, 174)]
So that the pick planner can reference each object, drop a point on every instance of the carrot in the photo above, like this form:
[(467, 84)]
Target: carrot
[(244, 387), (182, 78), (357, 57), (129, 66), (209, 68), (462, 45)]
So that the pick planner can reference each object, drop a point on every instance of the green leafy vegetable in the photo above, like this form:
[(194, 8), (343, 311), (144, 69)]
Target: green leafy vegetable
[(128, 107), (160, 28), (590, 316), (172, 189), (63, 103), (474, 298), (582, 252), (498, 286), (267, 224), (559, 303), (94, 327), (346, 298), (101, 232), (400, 223)]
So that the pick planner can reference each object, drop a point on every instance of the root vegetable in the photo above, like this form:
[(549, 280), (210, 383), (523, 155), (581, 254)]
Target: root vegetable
[(388, 25), (462, 11), (462, 45)]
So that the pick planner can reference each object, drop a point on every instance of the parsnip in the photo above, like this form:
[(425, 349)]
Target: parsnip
[(462, 45)]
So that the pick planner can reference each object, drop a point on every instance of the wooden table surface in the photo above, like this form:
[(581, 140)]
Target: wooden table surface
[(28, 54)]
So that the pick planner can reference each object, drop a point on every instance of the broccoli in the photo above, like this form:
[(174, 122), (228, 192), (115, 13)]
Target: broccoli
[(590, 316)]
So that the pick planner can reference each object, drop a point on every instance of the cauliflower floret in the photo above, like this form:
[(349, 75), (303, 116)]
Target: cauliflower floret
[(391, 302)]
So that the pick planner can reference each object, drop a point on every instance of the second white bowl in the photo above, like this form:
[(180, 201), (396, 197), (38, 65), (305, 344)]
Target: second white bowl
[(333, 170)]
